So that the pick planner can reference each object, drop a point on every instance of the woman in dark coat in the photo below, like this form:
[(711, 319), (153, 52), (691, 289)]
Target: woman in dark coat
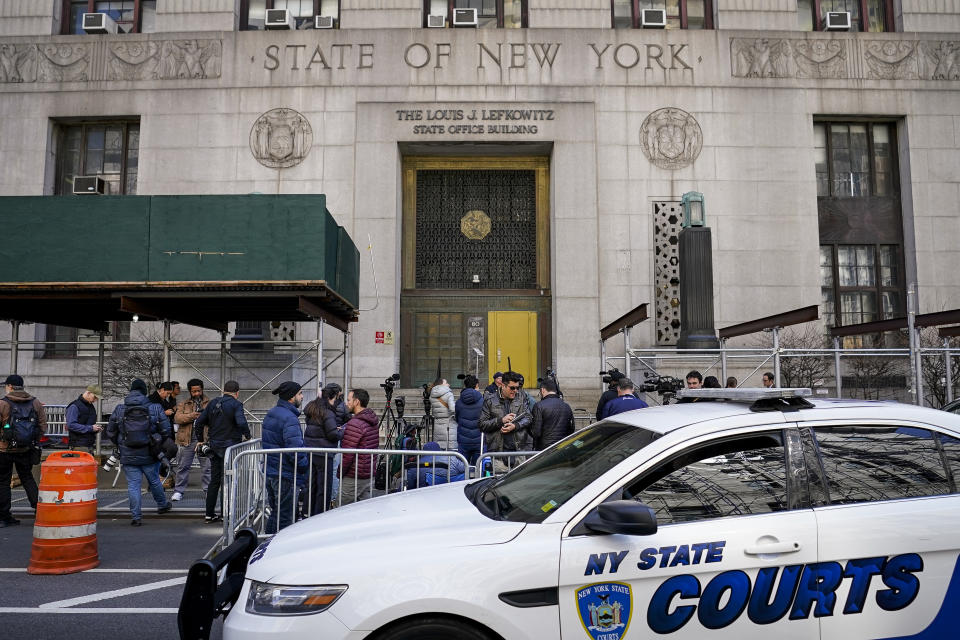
[(322, 432)]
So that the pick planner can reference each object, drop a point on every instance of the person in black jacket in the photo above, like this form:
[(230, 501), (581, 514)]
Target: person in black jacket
[(339, 407), (227, 426), (552, 417), (610, 393), (467, 415), (81, 421), (323, 431)]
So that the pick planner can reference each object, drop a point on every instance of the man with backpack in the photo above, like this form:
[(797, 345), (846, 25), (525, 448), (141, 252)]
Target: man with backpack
[(23, 421), (225, 425), (136, 426)]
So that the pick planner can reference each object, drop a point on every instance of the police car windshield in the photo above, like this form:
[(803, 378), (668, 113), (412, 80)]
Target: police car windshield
[(531, 492)]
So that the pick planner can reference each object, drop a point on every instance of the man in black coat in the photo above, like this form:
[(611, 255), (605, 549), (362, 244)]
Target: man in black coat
[(552, 417)]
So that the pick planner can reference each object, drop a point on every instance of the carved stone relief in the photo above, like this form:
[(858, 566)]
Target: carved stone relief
[(281, 138), (841, 58), (671, 138), (111, 60), (940, 60), (64, 63), (891, 60), (820, 58), (18, 63), (760, 58)]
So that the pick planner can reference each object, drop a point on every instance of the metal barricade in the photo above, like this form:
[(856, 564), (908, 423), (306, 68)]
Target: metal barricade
[(296, 490), (501, 462)]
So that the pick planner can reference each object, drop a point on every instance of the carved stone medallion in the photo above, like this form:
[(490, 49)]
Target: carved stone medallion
[(281, 138), (475, 225), (671, 138)]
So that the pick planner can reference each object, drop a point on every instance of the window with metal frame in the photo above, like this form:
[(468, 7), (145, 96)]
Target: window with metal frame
[(874, 463), (253, 13), (736, 476), (131, 16), (109, 149), (680, 14), (861, 248), (491, 14), (865, 15)]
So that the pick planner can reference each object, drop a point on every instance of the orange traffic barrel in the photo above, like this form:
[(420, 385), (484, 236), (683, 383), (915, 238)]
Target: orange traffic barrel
[(65, 532)]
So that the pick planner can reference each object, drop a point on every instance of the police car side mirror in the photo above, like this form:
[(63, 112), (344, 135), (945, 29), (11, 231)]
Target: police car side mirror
[(627, 517)]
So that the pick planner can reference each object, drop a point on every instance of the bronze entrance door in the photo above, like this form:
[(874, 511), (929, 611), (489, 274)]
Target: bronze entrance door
[(475, 241)]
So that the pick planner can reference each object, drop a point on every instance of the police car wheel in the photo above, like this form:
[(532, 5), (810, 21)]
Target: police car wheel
[(434, 629)]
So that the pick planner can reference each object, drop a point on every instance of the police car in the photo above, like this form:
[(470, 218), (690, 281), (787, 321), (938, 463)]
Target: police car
[(745, 514)]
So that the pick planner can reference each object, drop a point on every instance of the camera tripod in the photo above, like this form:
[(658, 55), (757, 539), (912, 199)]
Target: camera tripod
[(391, 424)]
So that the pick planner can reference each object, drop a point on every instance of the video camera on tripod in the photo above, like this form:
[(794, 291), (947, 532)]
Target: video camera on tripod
[(551, 375), (389, 385), (612, 375), (665, 386)]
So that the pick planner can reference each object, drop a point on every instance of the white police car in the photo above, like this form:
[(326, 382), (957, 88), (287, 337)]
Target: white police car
[(767, 516)]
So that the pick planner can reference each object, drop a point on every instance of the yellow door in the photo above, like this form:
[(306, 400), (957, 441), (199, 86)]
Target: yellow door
[(513, 335)]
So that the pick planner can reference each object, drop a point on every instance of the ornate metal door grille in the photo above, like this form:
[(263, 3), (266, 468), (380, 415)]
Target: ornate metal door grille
[(503, 258), (667, 218)]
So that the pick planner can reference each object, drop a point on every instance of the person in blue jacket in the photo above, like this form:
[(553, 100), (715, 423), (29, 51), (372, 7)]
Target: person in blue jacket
[(467, 415), (427, 471), (285, 474), (625, 400)]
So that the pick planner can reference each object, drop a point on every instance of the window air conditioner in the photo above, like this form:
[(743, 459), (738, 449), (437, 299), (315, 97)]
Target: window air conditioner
[(653, 19), (279, 19), (465, 17), (98, 23), (436, 21), (323, 22), (837, 21), (88, 185)]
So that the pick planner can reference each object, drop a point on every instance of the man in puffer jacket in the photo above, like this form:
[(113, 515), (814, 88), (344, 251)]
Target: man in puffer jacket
[(443, 405), (467, 416), (131, 427), (360, 432), (281, 429)]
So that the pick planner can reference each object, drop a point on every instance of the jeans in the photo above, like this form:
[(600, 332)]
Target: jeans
[(321, 491), (216, 480), (135, 475), (184, 461), (286, 487), (24, 471), (470, 454)]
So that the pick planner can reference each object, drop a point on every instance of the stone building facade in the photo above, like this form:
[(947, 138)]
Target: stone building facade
[(506, 182)]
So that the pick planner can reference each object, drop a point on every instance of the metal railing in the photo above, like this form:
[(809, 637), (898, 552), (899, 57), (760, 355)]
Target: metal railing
[(269, 489), (863, 372), (495, 463)]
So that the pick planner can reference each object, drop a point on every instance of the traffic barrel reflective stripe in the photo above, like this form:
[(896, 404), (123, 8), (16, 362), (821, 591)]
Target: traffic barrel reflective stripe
[(65, 532)]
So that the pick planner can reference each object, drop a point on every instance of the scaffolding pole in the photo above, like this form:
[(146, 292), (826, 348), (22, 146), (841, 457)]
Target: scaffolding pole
[(603, 360), (948, 369), (14, 345), (346, 361), (626, 352), (911, 317), (836, 366), (723, 361), (223, 359), (320, 365), (166, 350), (776, 356)]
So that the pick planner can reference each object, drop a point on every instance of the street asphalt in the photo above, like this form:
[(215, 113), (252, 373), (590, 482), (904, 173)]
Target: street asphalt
[(134, 593)]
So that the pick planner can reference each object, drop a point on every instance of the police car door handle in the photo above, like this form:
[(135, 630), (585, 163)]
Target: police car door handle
[(772, 547)]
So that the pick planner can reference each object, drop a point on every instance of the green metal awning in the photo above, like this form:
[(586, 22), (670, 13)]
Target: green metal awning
[(199, 260)]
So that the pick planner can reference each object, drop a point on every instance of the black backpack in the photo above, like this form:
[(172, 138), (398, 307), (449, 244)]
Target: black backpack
[(23, 424), (135, 425)]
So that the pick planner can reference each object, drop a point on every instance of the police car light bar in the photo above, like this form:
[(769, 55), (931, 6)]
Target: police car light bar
[(746, 395)]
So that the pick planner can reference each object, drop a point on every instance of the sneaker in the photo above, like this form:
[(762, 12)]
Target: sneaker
[(212, 519), (135, 523), (164, 508), (9, 522), (177, 496)]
